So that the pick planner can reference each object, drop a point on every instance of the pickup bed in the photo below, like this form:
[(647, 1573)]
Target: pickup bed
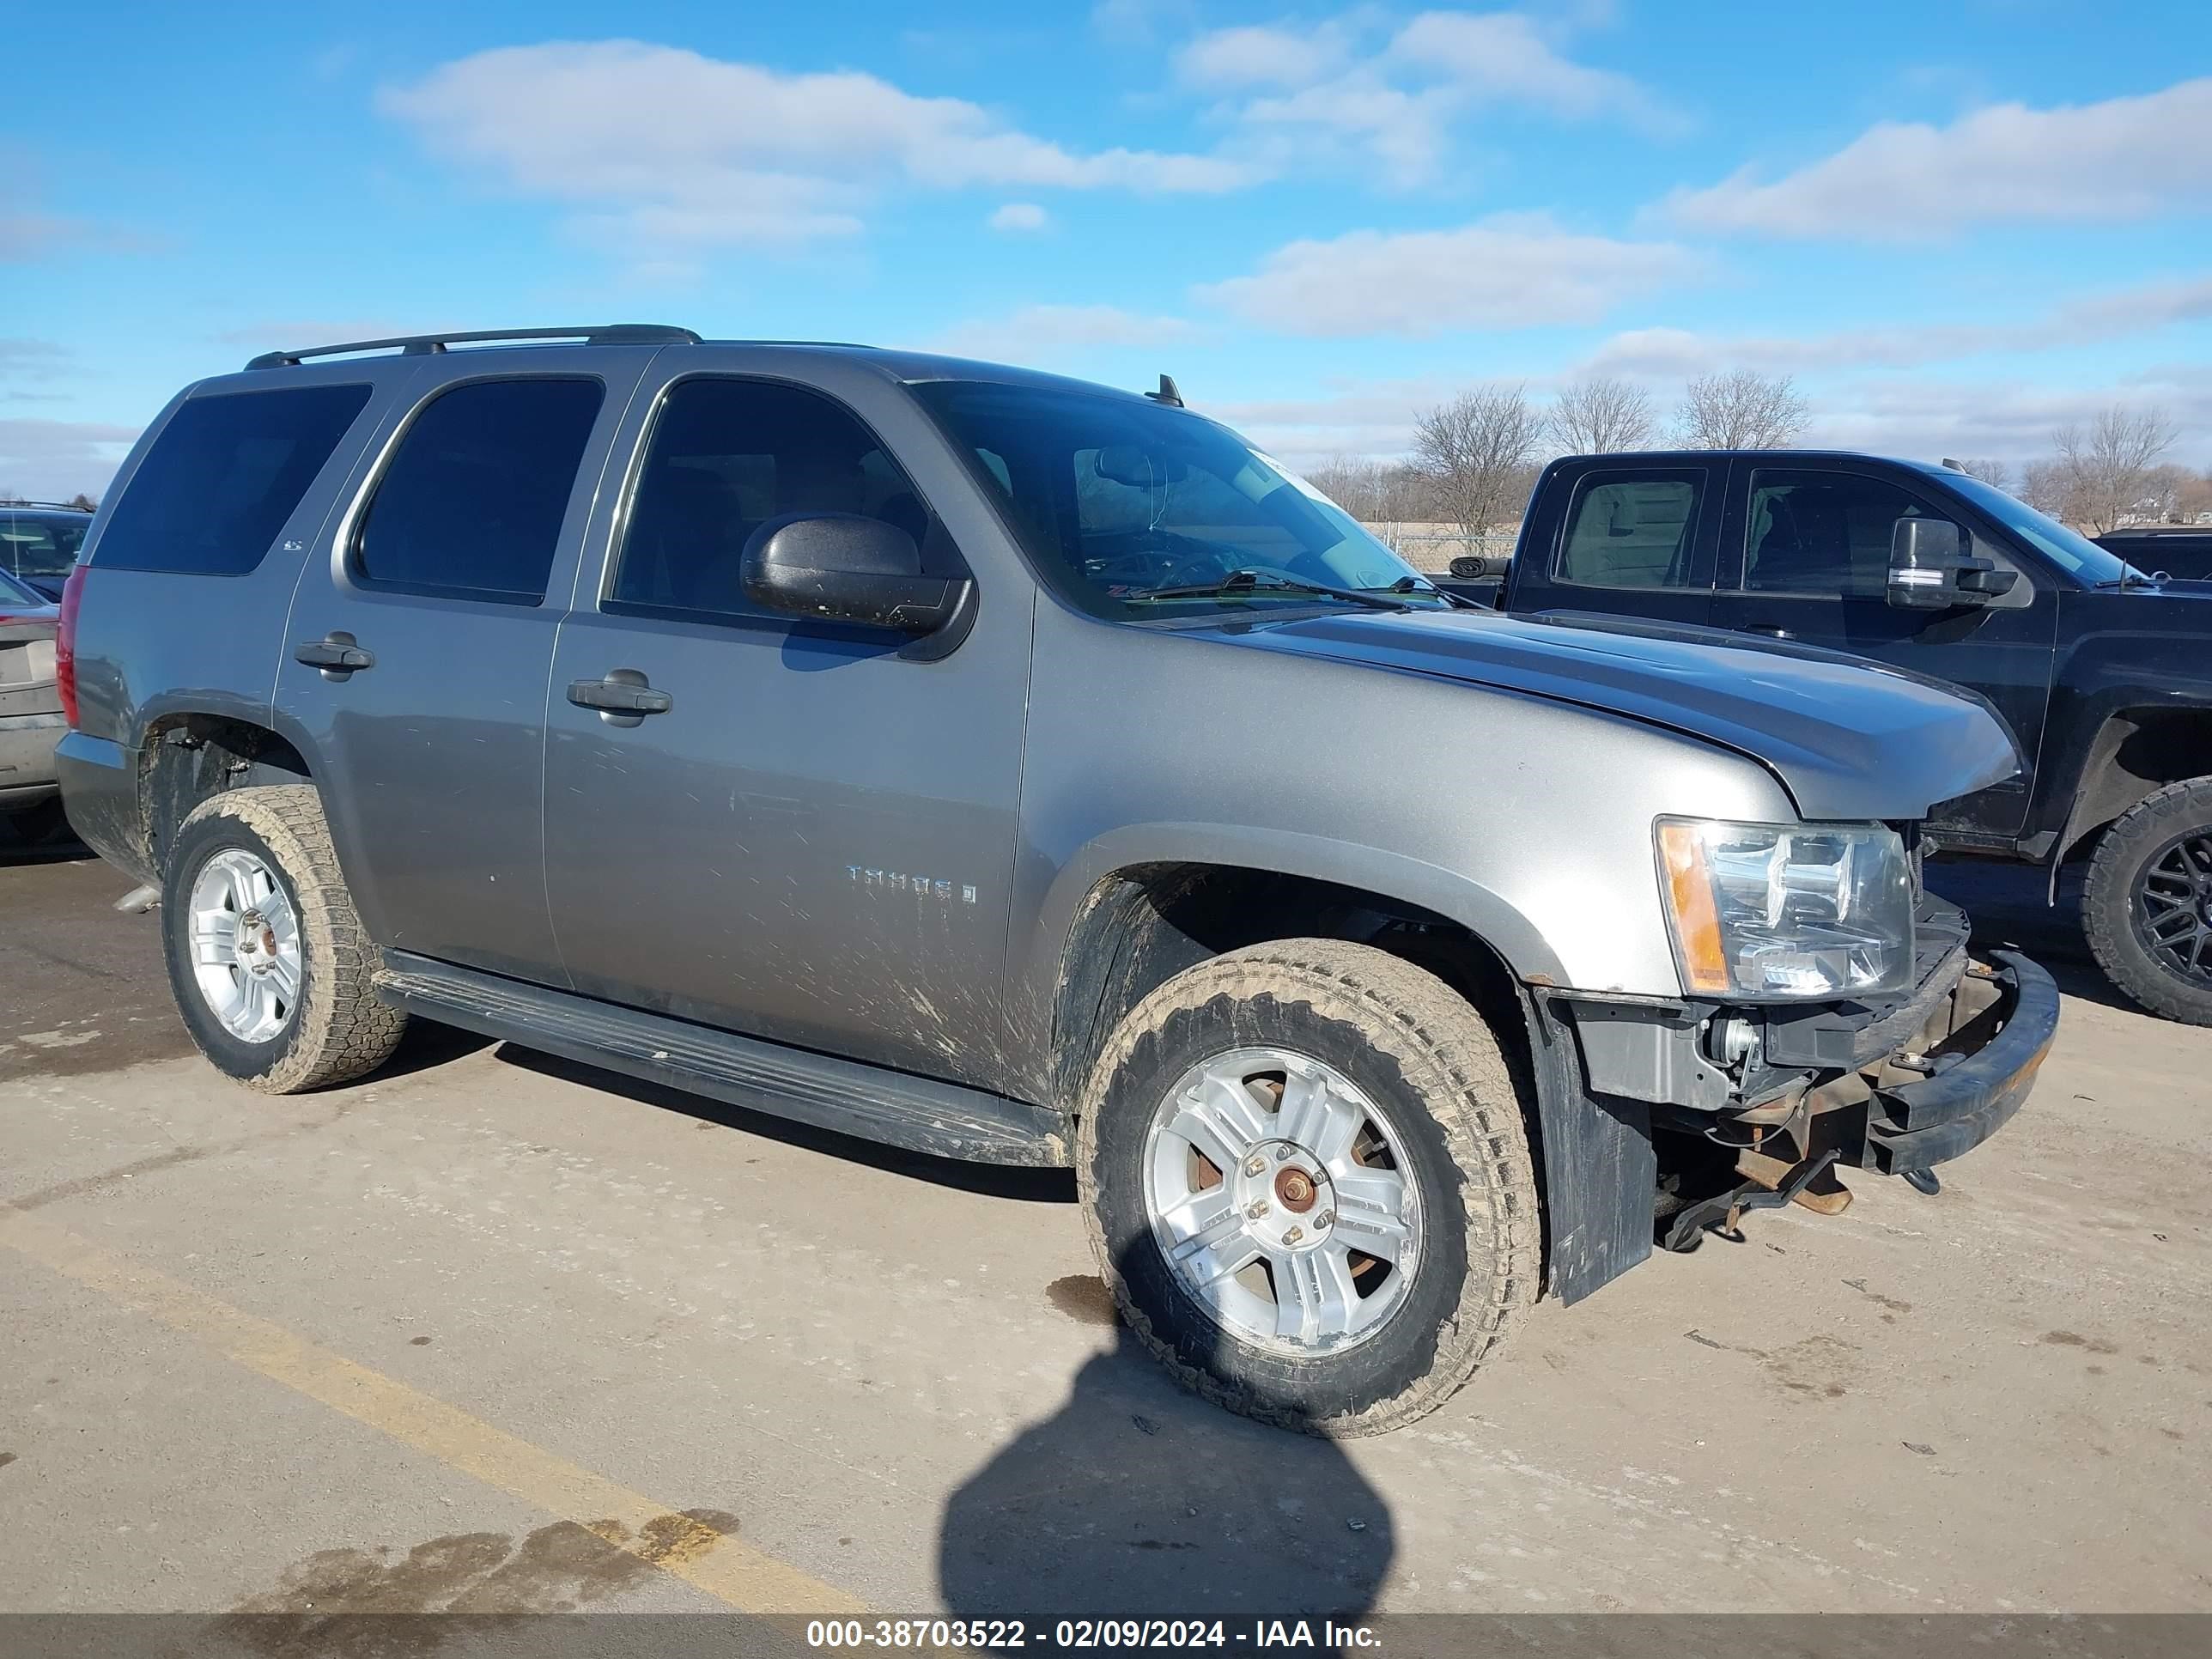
[(2099, 670)]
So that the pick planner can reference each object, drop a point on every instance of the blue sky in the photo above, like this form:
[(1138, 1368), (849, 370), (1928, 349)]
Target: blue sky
[(1957, 225)]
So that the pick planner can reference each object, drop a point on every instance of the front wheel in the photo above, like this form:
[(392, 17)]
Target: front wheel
[(1309, 1183), (2147, 905), (268, 962)]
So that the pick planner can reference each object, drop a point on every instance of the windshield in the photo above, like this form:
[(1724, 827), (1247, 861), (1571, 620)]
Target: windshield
[(40, 543), (1115, 499), (14, 596), (2069, 549)]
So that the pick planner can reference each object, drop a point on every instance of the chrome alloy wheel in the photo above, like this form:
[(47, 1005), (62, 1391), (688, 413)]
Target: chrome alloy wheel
[(1277, 1190), (246, 945)]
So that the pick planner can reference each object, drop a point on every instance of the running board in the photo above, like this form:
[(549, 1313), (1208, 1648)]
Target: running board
[(851, 1097)]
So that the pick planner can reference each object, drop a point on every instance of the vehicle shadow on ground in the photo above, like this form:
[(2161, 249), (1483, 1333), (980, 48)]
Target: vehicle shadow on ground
[(2007, 905), (997, 1181), (15, 849), (1137, 1500)]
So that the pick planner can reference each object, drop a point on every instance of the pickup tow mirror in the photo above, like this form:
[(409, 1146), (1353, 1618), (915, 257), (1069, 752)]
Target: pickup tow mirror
[(1933, 567), (841, 566)]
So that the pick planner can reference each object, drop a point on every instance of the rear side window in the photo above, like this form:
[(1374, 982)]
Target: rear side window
[(223, 476), (472, 503), (1632, 531)]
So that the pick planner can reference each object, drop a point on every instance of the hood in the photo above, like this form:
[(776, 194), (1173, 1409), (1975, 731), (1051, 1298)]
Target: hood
[(1848, 739)]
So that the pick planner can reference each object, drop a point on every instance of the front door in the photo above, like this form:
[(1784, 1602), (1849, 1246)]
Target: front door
[(420, 636), (1632, 541), (809, 834), (1805, 557)]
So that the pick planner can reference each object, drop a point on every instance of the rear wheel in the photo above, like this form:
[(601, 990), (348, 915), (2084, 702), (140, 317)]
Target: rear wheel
[(37, 826), (268, 962), (1308, 1184), (2147, 906)]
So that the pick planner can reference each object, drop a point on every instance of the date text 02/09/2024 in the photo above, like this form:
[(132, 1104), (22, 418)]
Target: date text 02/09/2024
[(1086, 1633)]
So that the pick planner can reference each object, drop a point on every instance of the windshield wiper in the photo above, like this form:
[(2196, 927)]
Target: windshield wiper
[(1250, 581), (1429, 589), (2134, 578)]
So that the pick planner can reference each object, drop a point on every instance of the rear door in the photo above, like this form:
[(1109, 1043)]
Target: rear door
[(1805, 557), (422, 632), (1632, 540)]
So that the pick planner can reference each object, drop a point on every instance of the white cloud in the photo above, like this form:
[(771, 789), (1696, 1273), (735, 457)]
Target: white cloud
[(666, 146), (52, 460), (1507, 271), (1345, 85), (1672, 353), (31, 360), (2124, 158), (2009, 419), (1373, 419), (1019, 216)]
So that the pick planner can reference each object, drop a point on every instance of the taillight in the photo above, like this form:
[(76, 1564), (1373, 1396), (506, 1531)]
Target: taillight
[(65, 644)]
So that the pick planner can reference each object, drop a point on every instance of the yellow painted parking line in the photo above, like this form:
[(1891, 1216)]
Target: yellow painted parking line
[(726, 1567)]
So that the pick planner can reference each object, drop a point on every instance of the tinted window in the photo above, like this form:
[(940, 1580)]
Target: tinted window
[(726, 455), (1115, 497), (1625, 531), (224, 476), (472, 504), (1822, 533)]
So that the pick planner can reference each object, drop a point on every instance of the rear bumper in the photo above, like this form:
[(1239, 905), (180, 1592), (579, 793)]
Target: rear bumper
[(1974, 1090), (100, 791), (26, 757)]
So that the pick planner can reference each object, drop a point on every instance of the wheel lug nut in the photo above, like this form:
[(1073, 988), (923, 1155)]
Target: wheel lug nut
[(1294, 1235), (1255, 1165), (1284, 1150), (1323, 1220), (1257, 1209)]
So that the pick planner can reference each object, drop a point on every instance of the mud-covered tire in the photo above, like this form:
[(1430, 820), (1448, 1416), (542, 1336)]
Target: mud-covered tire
[(338, 1029), (1411, 1043), (2109, 900)]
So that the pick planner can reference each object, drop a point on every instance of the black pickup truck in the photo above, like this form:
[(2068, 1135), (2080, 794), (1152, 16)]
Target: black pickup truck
[(2100, 672)]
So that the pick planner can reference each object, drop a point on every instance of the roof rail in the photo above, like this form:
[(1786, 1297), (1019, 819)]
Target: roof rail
[(424, 345), (66, 507)]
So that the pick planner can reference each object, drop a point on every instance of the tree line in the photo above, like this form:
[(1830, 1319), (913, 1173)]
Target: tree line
[(9, 498), (1475, 456)]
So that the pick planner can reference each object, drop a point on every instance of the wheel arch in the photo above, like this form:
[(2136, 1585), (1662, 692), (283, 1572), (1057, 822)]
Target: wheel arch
[(186, 757), (2134, 753)]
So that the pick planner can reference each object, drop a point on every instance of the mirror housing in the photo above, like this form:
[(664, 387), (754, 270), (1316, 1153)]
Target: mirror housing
[(845, 568), (1471, 568), (1133, 466), (1933, 567)]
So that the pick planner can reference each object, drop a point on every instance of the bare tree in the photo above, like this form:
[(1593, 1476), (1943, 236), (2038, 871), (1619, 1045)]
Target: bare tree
[(1741, 409), (2107, 465), (1353, 482), (1602, 416), (1988, 471), (83, 500), (1475, 449)]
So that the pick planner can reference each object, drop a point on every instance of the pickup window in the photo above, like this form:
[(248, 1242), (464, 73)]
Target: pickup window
[(1632, 530), (1813, 532)]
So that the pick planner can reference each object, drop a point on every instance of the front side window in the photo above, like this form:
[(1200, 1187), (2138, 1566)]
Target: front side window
[(1120, 503), (1632, 530), (224, 476), (1828, 533), (725, 457), (472, 503)]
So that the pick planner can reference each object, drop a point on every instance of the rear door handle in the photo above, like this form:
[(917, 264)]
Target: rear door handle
[(617, 693), (336, 656)]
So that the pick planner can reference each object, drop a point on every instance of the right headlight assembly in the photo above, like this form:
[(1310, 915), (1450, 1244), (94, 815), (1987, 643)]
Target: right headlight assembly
[(1770, 911)]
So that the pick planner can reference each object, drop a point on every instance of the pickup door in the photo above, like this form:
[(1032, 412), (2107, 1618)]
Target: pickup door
[(1804, 555), (1629, 540)]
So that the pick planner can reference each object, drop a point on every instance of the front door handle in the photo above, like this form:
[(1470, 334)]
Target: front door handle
[(337, 656), (624, 692)]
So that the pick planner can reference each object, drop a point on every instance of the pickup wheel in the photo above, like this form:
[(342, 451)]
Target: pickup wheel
[(1308, 1182), (268, 965), (2147, 906)]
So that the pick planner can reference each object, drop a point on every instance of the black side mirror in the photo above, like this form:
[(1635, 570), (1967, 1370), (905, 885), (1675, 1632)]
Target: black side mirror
[(841, 566), (1933, 567)]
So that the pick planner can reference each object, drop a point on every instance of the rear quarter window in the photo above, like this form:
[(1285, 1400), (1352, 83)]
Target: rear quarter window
[(223, 478)]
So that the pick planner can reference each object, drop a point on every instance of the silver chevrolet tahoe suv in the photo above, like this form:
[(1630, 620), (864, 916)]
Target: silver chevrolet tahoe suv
[(1019, 771)]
